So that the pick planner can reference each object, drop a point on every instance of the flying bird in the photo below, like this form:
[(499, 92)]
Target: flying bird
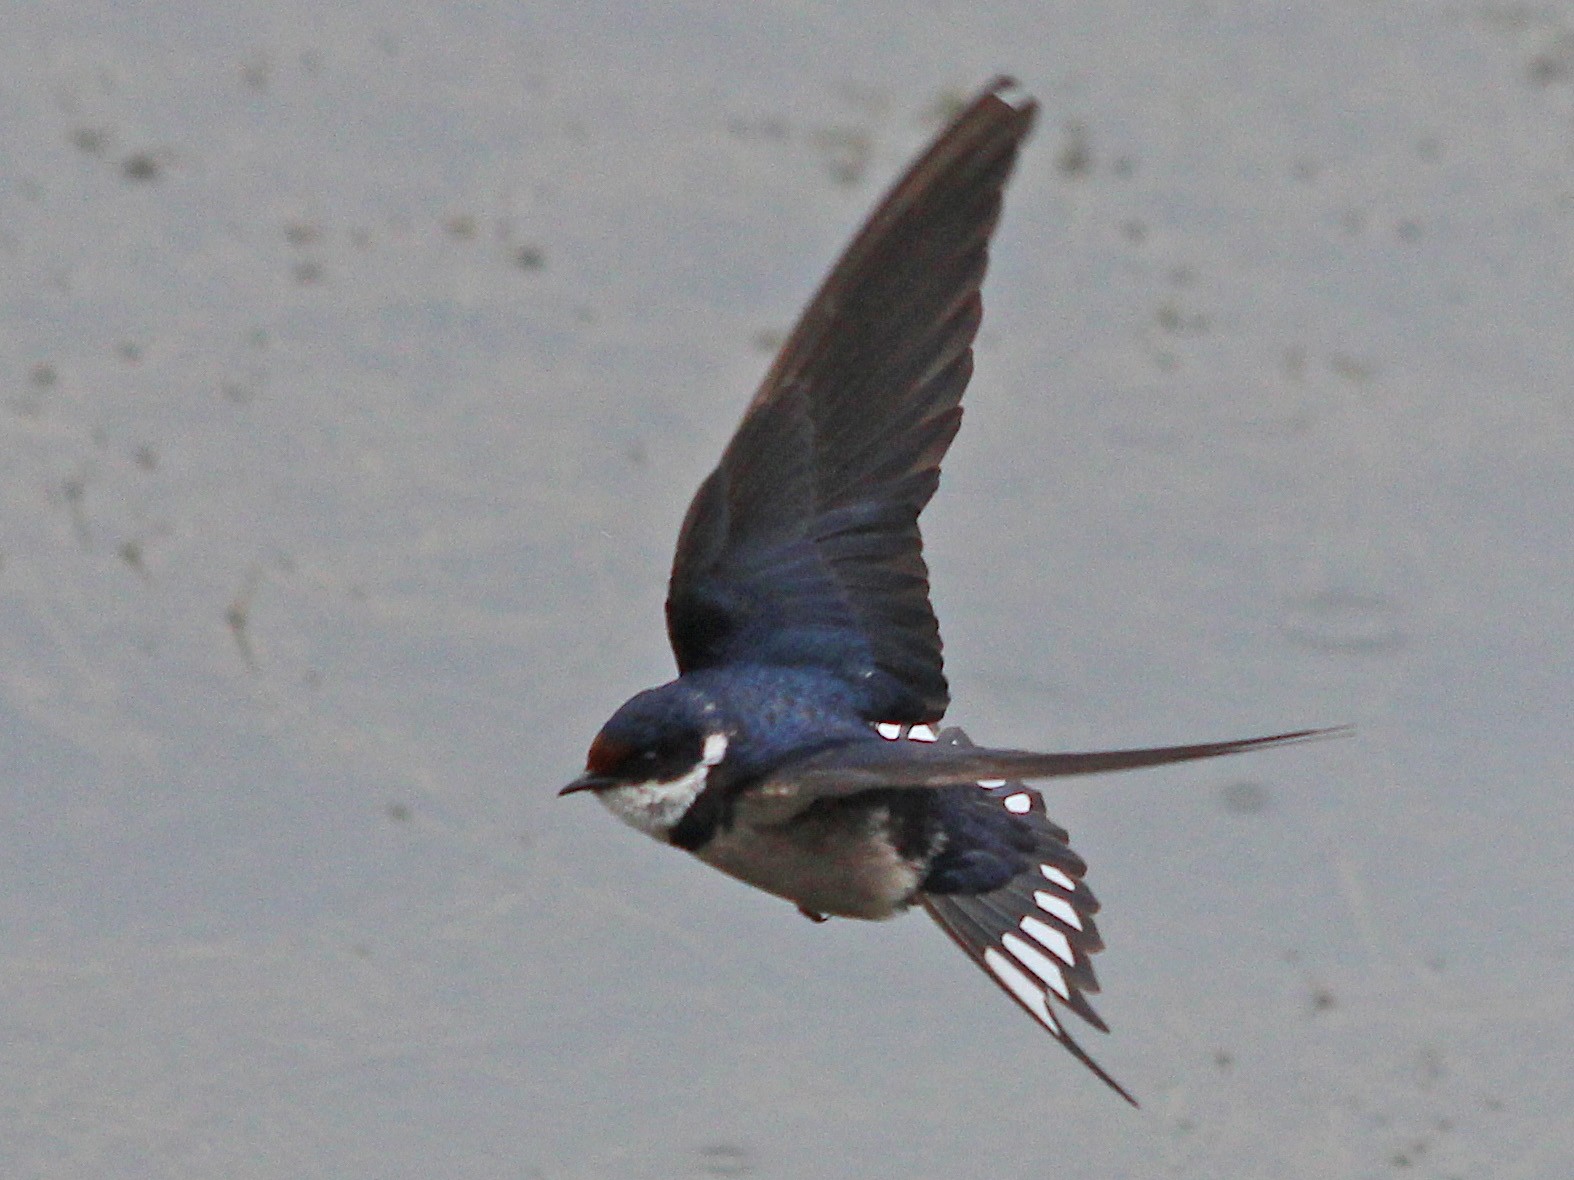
[(797, 750)]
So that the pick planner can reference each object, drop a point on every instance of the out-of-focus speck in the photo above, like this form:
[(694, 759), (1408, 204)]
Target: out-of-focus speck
[(768, 340), (237, 616), (725, 1159), (301, 233), (1124, 167), (1345, 621), (1306, 171), (94, 141), (1245, 798), (530, 258), (1408, 230), (398, 812), (1075, 158), (131, 553), (1177, 321), (846, 152), (1352, 368), (238, 393), (141, 167), (1134, 231), (129, 351), (74, 490), (40, 379), (1223, 1059), (1430, 1069), (637, 454), (462, 226), (307, 273), (764, 128), (1553, 63), (256, 72), (1323, 1000)]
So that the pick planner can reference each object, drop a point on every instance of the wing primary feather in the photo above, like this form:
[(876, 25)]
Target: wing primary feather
[(996, 929), (954, 923)]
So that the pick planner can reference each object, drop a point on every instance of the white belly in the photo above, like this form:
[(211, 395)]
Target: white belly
[(830, 868)]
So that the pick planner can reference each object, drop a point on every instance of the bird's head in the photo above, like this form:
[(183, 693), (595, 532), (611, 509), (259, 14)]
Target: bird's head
[(653, 758)]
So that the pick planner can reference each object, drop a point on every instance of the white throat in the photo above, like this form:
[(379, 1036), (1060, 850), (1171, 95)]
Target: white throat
[(655, 807)]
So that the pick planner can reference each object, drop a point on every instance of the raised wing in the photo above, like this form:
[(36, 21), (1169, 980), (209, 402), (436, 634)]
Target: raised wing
[(802, 548), (1034, 935)]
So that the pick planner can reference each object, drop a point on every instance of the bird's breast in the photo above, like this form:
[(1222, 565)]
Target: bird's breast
[(840, 860)]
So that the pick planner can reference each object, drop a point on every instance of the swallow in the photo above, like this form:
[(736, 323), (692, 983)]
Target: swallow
[(797, 750)]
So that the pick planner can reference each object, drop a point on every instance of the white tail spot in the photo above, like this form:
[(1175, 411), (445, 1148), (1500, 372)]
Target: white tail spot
[(1050, 939), (989, 784), (1020, 986), (1058, 907), (1020, 803), (1053, 874), (889, 730), (1038, 963), (921, 733)]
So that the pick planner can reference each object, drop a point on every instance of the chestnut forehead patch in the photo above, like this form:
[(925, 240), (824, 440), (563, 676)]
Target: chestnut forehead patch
[(606, 755)]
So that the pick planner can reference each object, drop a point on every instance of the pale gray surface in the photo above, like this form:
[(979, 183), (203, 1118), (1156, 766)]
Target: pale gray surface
[(1273, 427)]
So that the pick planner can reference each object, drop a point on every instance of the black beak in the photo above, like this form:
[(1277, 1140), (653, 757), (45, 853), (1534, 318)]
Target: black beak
[(587, 782)]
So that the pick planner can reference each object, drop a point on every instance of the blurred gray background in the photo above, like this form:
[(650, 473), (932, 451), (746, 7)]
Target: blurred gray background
[(357, 362)]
